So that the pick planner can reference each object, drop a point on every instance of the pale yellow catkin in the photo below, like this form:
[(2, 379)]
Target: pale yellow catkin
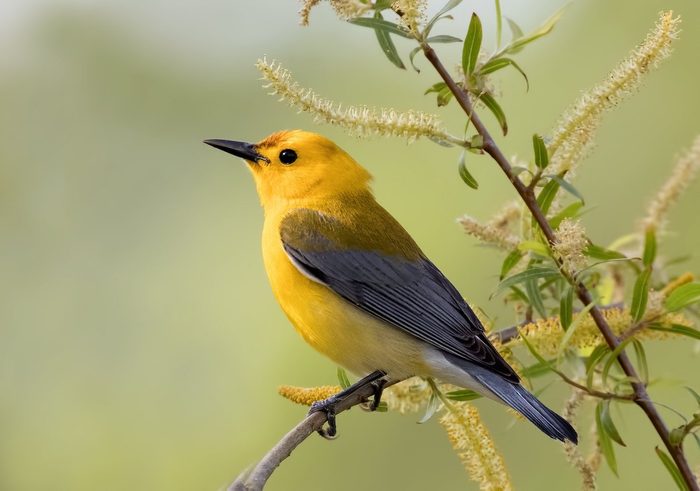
[(475, 447), (307, 395), (358, 120), (574, 132)]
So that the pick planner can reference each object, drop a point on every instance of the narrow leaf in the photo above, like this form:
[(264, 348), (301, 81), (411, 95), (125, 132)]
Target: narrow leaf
[(547, 195), (613, 357), (435, 88), (472, 45), (465, 175), (444, 97), (568, 187), (642, 364), (533, 293), (496, 64), (566, 307), (387, 45), (495, 108), (649, 247), (510, 261), (444, 38), (694, 394), (538, 369), (572, 328), (677, 329), (541, 156), (543, 30), (412, 55), (431, 408), (382, 24), (599, 252), (462, 395), (448, 6), (671, 468), (607, 422), (515, 30), (605, 442), (529, 274), (640, 294), (570, 211), (343, 379), (683, 296), (499, 24)]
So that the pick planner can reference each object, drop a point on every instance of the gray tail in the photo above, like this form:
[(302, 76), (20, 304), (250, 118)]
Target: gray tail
[(517, 397)]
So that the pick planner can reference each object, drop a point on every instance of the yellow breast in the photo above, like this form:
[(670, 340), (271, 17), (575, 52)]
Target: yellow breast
[(353, 339)]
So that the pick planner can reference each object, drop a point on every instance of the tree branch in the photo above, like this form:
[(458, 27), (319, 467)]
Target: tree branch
[(641, 397), (255, 479)]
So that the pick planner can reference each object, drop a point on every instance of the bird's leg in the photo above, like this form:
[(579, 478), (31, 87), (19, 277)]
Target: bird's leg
[(328, 406)]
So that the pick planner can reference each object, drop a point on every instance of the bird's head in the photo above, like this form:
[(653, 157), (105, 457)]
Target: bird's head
[(298, 165)]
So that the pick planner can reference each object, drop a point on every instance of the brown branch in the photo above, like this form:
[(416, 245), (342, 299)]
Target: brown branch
[(255, 479), (641, 397)]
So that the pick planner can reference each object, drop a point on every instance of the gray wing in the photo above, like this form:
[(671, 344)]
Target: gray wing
[(411, 294)]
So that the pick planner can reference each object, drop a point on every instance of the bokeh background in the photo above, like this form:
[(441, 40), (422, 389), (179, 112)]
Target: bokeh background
[(140, 346)]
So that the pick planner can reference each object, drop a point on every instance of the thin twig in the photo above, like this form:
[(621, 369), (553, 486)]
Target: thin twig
[(255, 479), (641, 397)]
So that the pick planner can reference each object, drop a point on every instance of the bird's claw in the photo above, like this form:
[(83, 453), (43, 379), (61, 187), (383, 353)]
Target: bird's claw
[(328, 406)]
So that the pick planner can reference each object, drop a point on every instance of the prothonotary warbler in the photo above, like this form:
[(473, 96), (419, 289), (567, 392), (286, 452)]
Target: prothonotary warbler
[(357, 287)]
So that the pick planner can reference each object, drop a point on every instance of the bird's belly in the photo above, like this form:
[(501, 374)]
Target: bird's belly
[(350, 337)]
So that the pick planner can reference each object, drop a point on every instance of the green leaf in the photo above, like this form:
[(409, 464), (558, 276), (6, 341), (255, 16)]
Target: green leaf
[(444, 97), (613, 356), (462, 395), (641, 360), (599, 252), (592, 361), (499, 24), (572, 328), (649, 247), (607, 422), (533, 273), (444, 38), (431, 408), (412, 55), (496, 64), (465, 175), (677, 329), (640, 294), (534, 246), (447, 7), (694, 394), (605, 442), (515, 30), (672, 469), (384, 25), (566, 307), (541, 155), (472, 45), (537, 369), (495, 108), (510, 261), (435, 88), (547, 195), (568, 187), (569, 212), (533, 293), (387, 45), (519, 43), (683, 296), (343, 379)]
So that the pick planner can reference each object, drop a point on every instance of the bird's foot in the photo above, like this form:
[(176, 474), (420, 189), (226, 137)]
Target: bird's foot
[(329, 405)]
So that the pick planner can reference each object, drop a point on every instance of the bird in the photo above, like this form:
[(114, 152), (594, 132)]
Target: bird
[(358, 288)]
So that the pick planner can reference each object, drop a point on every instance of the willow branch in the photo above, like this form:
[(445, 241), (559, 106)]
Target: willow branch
[(641, 397), (255, 479)]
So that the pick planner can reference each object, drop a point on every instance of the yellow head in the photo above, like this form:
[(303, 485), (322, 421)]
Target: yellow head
[(298, 166)]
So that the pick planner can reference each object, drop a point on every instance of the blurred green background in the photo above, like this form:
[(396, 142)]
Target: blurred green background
[(140, 345)]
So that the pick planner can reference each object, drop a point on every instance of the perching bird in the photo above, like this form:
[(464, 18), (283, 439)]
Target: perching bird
[(355, 284)]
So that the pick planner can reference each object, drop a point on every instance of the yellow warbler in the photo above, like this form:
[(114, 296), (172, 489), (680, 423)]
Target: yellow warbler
[(357, 287)]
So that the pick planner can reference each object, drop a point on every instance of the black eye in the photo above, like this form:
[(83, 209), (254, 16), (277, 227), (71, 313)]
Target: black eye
[(288, 156)]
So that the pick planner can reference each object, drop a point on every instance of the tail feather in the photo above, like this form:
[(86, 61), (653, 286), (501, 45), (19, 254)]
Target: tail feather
[(517, 397)]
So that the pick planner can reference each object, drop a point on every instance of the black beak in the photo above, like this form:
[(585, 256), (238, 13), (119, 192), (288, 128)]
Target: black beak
[(243, 150)]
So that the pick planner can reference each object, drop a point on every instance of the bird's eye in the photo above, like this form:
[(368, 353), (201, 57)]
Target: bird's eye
[(288, 156)]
